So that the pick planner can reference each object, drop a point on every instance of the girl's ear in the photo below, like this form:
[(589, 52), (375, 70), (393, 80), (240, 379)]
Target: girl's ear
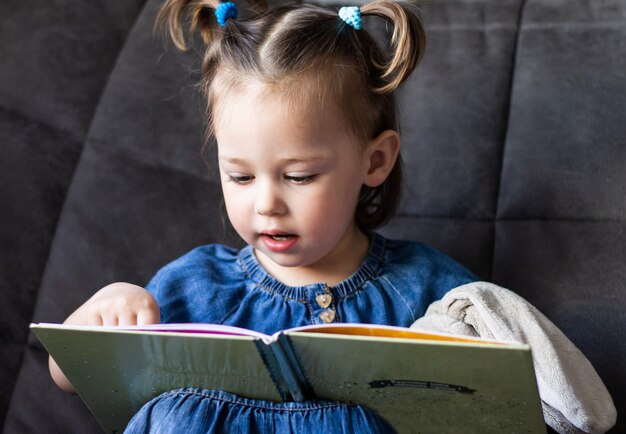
[(381, 153)]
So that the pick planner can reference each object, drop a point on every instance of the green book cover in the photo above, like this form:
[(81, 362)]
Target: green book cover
[(420, 382)]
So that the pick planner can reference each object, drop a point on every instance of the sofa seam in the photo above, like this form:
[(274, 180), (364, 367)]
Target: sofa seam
[(144, 158), (511, 219), (514, 65), (42, 124)]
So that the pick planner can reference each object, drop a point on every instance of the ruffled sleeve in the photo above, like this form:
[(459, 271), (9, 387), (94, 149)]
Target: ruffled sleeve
[(204, 285), (422, 274)]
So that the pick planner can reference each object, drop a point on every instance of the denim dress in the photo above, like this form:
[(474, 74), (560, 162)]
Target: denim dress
[(216, 284)]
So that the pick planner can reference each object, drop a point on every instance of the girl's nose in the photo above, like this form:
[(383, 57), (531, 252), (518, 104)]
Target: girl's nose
[(269, 201)]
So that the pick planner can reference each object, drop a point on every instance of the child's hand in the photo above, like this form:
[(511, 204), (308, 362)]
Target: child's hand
[(115, 304)]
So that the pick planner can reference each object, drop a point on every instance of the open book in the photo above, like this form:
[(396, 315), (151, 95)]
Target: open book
[(420, 382)]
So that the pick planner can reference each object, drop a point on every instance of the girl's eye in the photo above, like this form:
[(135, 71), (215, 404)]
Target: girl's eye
[(240, 179), (300, 179)]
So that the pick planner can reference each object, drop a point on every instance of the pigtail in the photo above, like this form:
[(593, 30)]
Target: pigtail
[(203, 19), (408, 42), (171, 15)]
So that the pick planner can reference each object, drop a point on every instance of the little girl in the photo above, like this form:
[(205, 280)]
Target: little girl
[(302, 108)]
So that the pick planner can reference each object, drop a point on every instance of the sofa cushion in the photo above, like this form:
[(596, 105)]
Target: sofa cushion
[(513, 138), (56, 59)]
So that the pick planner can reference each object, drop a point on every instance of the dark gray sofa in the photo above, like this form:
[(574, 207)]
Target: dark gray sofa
[(514, 138)]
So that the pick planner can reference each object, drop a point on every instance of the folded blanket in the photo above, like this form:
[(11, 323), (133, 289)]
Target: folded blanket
[(574, 399)]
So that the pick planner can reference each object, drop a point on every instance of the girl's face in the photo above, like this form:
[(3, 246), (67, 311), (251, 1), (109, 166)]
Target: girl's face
[(291, 178)]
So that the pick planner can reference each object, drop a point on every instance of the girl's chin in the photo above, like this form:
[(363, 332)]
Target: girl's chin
[(270, 259), (280, 258)]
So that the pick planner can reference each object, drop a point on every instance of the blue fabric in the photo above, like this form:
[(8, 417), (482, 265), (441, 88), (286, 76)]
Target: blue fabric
[(215, 284), (206, 411)]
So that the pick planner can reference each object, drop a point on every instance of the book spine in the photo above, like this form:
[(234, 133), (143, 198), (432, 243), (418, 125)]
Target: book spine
[(274, 369), (292, 373)]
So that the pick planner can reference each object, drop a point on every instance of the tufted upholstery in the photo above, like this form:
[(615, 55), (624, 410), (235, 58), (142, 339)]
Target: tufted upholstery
[(514, 139)]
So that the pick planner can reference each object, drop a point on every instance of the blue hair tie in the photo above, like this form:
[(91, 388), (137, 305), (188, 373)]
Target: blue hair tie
[(224, 11), (351, 15)]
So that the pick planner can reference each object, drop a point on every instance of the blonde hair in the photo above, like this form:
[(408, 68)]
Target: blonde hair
[(308, 51)]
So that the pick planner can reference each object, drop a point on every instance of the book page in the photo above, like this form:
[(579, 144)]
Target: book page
[(379, 330), (201, 328), (116, 371), (425, 386)]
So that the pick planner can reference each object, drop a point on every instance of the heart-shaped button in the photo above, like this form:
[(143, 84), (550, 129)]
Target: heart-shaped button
[(324, 300), (328, 316)]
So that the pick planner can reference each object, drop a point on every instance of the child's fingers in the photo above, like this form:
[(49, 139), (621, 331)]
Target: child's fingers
[(94, 318), (110, 319), (127, 318), (148, 316), (121, 305)]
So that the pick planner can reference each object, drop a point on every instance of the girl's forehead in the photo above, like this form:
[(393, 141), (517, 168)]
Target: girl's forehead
[(289, 120), (260, 124), (299, 111)]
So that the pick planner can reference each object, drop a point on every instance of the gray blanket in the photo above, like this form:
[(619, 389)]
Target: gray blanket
[(574, 398)]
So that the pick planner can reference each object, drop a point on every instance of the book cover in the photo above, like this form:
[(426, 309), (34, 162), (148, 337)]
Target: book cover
[(421, 382)]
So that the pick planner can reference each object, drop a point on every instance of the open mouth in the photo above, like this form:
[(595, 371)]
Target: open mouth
[(281, 237), (279, 242)]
